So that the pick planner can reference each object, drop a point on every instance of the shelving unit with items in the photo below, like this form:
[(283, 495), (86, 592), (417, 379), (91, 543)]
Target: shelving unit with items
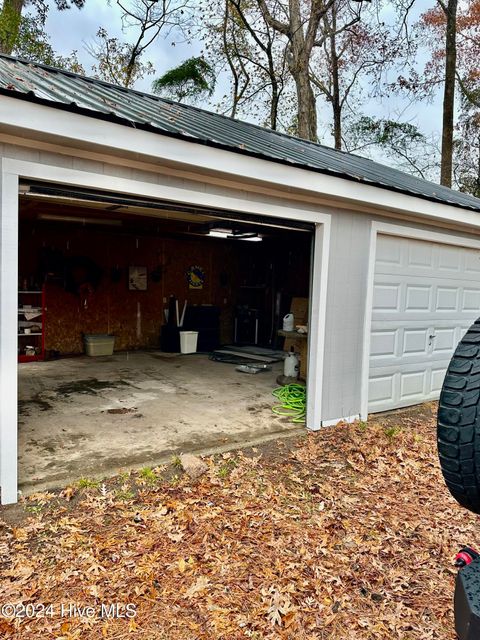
[(31, 325)]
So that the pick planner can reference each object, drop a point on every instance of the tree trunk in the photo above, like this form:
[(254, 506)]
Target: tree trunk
[(274, 103), (299, 64), (476, 192), (336, 103), (307, 107), (10, 17), (301, 35), (449, 94)]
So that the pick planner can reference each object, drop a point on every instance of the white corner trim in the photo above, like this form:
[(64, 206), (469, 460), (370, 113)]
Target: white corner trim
[(367, 322), (402, 231), (75, 129), (317, 324), (8, 335), (335, 421)]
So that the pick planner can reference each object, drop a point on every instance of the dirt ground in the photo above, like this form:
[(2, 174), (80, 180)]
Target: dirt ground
[(347, 533)]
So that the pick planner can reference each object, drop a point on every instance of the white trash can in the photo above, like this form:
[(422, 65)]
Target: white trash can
[(188, 341)]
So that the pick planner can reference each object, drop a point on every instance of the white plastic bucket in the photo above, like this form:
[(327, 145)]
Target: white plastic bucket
[(188, 341), (288, 322), (291, 366)]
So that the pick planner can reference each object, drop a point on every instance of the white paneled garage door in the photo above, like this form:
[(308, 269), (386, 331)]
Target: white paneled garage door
[(425, 297)]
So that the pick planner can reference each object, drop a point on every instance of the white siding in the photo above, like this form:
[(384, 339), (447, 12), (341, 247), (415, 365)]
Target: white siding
[(347, 280)]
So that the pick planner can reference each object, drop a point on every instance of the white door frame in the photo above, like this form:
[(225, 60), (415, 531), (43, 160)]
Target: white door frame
[(385, 228), (8, 334), (11, 172)]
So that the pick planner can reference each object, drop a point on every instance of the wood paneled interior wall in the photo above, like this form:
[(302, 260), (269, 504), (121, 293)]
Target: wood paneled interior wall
[(136, 317)]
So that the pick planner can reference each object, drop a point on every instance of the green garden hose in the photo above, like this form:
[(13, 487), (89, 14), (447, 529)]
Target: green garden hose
[(293, 402)]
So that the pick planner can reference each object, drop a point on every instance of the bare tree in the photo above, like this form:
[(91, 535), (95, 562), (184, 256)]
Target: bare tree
[(114, 62), (331, 73), (245, 37), (234, 48), (299, 22), (273, 69), (438, 28), (149, 18), (466, 166), (239, 41), (121, 62)]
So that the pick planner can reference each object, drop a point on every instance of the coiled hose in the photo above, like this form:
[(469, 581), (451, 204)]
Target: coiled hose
[(293, 402)]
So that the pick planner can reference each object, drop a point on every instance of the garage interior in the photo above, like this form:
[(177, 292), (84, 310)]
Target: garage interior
[(98, 264)]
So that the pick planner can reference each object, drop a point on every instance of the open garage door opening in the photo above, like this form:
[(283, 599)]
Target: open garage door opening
[(185, 297)]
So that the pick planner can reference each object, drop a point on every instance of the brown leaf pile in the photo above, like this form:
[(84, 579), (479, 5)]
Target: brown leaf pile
[(348, 533)]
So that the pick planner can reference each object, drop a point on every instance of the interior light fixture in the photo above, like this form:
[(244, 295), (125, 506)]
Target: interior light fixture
[(216, 233), (78, 220), (228, 235), (233, 234)]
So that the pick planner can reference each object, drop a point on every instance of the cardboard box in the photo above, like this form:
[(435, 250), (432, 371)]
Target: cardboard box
[(299, 308)]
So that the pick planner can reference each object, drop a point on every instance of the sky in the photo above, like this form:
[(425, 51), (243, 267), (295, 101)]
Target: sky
[(73, 29)]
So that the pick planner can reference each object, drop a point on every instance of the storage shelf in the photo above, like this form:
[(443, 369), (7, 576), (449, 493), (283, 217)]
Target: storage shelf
[(24, 358), (31, 317)]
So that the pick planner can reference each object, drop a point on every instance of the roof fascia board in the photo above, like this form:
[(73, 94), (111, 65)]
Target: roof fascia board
[(31, 117)]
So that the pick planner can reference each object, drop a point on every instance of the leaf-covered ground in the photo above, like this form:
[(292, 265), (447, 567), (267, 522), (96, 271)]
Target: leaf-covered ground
[(348, 533)]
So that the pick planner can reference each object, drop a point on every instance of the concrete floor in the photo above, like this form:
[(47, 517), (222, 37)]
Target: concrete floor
[(92, 417)]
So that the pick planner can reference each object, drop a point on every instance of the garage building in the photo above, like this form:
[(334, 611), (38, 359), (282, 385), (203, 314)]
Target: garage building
[(154, 199)]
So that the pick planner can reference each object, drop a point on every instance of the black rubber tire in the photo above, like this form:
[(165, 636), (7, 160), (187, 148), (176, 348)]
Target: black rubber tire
[(458, 428)]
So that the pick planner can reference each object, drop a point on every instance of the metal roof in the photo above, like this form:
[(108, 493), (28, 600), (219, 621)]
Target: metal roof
[(95, 98)]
